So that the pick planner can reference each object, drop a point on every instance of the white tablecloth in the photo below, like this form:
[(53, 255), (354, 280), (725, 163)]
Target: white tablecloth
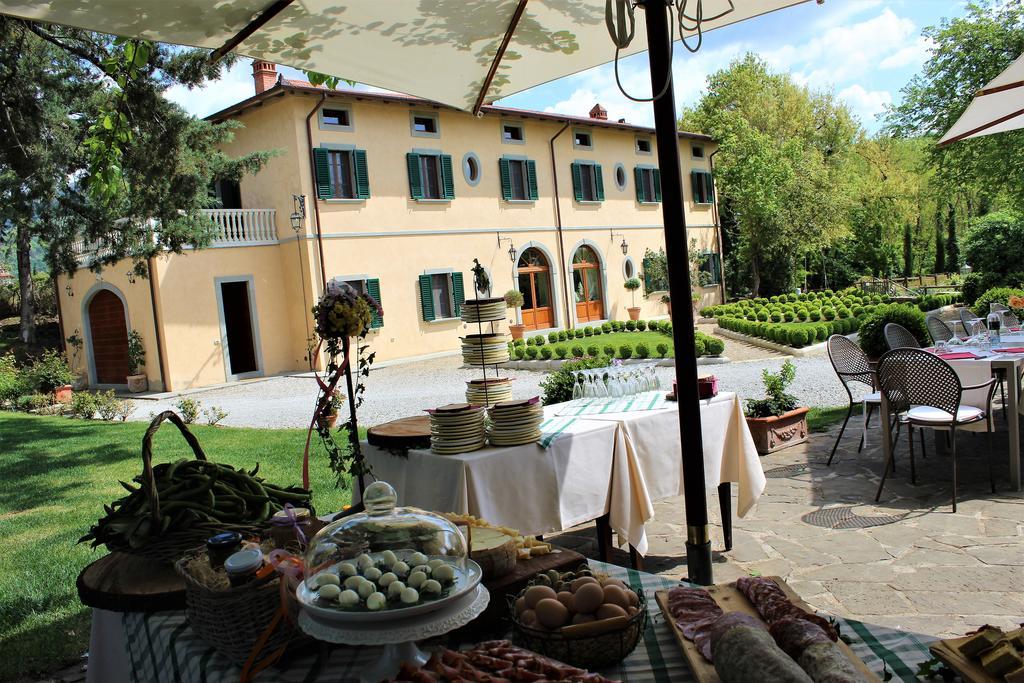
[(618, 464)]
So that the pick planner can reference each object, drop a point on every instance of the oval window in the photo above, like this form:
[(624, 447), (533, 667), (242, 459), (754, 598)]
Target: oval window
[(471, 168), (628, 269), (620, 177)]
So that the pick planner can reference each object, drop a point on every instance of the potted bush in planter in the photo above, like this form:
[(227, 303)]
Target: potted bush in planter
[(775, 421), (514, 299), (631, 285), (51, 374), (137, 380)]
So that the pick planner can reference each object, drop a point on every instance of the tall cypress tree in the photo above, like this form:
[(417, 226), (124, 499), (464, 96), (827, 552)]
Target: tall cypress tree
[(952, 250), (908, 250), (940, 246)]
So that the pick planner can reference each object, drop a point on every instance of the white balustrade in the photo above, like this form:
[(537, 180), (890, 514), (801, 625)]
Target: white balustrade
[(240, 227)]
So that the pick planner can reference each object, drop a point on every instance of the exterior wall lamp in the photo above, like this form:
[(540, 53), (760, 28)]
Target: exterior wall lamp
[(131, 277), (512, 253), (625, 245), (299, 211), (68, 289)]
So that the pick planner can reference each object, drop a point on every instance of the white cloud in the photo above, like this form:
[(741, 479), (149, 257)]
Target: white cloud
[(915, 54), (235, 85), (865, 104)]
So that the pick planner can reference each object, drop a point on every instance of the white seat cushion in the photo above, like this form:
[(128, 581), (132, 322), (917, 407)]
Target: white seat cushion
[(873, 398), (928, 414)]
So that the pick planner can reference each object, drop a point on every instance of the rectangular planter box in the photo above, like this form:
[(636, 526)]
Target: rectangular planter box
[(780, 431)]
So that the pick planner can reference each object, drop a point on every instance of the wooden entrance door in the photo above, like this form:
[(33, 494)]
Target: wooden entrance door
[(586, 285), (108, 333), (535, 284)]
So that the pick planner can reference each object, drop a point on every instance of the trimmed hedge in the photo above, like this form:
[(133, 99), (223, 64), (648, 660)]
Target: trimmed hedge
[(872, 329)]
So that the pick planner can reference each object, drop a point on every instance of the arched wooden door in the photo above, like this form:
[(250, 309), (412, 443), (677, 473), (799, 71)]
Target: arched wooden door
[(535, 284), (586, 285), (108, 333)]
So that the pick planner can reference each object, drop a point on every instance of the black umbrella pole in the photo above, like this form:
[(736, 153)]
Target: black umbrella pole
[(698, 542)]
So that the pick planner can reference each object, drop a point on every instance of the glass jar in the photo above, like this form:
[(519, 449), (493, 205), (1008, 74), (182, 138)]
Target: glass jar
[(243, 566), (222, 546), (293, 526)]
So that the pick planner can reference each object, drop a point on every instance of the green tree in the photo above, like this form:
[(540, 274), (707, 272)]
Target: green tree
[(784, 152), (940, 245), (908, 250), (93, 151), (952, 250)]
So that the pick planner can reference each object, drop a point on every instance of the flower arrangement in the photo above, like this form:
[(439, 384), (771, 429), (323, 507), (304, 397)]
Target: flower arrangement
[(1016, 302), (342, 312)]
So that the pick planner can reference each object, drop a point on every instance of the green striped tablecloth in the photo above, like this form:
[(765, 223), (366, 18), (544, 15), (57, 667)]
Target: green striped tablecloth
[(648, 400), (162, 647)]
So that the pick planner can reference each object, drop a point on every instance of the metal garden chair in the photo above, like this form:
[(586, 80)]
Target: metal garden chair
[(899, 337), (938, 328), (1010, 318), (925, 392), (967, 319), (852, 367)]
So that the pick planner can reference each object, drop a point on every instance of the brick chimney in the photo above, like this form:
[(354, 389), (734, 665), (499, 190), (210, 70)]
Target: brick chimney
[(264, 74), (599, 112)]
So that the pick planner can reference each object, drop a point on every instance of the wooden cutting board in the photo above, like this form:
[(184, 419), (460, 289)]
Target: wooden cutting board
[(730, 599), (122, 582), (969, 670), (402, 434)]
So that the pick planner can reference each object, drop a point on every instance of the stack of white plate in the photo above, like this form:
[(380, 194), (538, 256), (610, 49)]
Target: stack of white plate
[(487, 392), (483, 310), (456, 428), (485, 349), (516, 422)]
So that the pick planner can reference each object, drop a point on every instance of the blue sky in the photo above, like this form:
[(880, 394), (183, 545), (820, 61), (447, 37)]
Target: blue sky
[(863, 50)]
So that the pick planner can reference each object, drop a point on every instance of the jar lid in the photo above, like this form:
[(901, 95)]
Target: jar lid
[(223, 540), (299, 513), (244, 561)]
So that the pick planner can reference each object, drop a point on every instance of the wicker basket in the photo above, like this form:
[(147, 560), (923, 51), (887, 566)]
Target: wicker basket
[(586, 652), (232, 621), (170, 546)]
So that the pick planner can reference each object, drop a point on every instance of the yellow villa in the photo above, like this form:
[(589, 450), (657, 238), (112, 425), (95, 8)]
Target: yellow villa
[(396, 195)]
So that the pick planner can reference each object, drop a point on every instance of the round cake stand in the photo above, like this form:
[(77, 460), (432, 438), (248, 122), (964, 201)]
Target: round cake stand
[(398, 636)]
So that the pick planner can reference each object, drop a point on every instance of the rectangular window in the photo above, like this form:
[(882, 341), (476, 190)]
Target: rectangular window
[(430, 176), (643, 145), (581, 139), (341, 173), (703, 187), (340, 167), (710, 270), (335, 117), (512, 132), (518, 179), (697, 151), (588, 191), (424, 125), (587, 182), (648, 184), (441, 295)]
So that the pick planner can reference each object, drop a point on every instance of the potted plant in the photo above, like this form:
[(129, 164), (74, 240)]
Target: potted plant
[(51, 374), (775, 421), (514, 299), (137, 380), (329, 417), (631, 285), (75, 343), (667, 300)]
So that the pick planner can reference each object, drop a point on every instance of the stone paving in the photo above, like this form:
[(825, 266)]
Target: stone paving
[(906, 562)]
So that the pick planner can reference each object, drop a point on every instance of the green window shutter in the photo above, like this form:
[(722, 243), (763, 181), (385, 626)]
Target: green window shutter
[(373, 289), (638, 180), (646, 266), (323, 173), (697, 184), (577, 182), (458, 293), (427, 298), (709, 187), (506, 179), (447, 179), (716, 268), (599, 182), (415, 183), (657, 184), (361, 174), (531, 178)]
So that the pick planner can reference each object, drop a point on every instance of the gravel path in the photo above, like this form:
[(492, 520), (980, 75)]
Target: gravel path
[(404, 390)]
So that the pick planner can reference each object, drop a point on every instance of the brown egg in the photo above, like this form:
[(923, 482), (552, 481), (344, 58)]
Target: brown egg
[(528, 617), (613, 595), (535, 594), (520, 605), (587, 598), (565, 597), (583, 618), (552, 613), (609, 611), (581, 581), (609, 581), (634, 599), (631, 610)]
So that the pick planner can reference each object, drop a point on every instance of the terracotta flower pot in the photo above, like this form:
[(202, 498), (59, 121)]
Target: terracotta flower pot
[(328, 420), (137, 383), (63, 394), (779, 431), (634, 312), (517, 331)]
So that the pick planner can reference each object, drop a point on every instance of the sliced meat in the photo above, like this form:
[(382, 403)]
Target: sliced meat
[(773, 604), (744, 652), (823, 660), (694, 611)]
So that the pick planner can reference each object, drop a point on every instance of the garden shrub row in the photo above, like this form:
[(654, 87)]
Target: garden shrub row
[(930, 302), (796, 335), (663, 326), (705, 345)]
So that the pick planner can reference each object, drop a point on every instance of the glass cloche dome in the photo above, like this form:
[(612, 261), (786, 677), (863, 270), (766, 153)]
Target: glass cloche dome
[(364, 553)]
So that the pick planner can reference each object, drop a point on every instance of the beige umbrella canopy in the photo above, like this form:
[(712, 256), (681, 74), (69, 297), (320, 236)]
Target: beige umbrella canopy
[(996, 108), (442, 50)]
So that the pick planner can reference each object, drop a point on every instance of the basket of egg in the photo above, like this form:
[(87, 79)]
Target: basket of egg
[(580, 617)]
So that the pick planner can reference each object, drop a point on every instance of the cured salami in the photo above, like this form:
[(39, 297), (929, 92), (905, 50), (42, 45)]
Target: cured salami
[(694, 611), (812, 649), (744, 652), (773, 605)]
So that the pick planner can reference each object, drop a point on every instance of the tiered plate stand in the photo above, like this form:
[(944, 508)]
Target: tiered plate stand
[(471, 313)]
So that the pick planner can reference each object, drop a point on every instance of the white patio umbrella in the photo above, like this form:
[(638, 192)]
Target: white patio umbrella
[(466, 53), (996, 108)]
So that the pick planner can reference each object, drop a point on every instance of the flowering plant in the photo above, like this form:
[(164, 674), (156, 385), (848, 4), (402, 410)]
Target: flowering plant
[(1016, 302), (342, 312)]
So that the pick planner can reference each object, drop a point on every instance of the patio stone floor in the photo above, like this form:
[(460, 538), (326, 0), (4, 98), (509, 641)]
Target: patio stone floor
[(906, 562)]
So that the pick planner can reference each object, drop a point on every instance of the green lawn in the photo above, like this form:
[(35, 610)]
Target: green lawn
[(822, 419), (616, 339), (55, 474)]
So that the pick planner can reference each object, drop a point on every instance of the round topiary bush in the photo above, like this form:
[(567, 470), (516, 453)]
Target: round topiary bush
[(562, 336), (641, 325), (642, 350), (776, 317), (802, 314), (540, 340), (598, 330), (609, 350), (546, 353), (872, 328), (552, 337), (625, 351), (577, 351), (788, 316), (631, 326), (519, 342), (588, 331), (606, 327), (843, 313), (593, 351), (531, 352), (699, 347), (521, 352), (797, 338), (579, 334), (561, 351), (820, 333), (714, 346), (662, 350), (828, 313), (761, 316), (998, 295)]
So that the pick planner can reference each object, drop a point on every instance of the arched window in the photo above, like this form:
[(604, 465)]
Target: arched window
[(535, 284), (586, 285)]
